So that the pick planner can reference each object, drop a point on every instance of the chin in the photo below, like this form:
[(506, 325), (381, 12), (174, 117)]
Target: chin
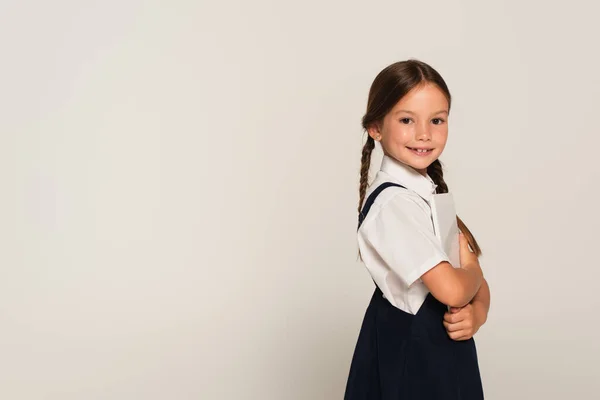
[(421, 164), (416, 162)]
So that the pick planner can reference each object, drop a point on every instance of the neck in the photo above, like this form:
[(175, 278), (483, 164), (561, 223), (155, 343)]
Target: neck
[(421, 171)]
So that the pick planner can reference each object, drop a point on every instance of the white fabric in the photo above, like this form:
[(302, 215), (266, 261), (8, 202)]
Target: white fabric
[(396, 239)]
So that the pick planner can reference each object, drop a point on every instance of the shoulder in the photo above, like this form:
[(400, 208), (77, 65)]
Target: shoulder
[(396, 204)]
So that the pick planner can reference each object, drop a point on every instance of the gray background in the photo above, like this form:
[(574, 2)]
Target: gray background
[(179, 185)]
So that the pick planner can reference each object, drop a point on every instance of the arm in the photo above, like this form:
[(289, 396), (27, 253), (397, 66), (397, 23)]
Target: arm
[(403, 219), (456, 287), (481, 304), (464, 322)]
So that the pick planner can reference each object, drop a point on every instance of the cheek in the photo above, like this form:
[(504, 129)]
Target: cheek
[(401, 134), (442, 136)]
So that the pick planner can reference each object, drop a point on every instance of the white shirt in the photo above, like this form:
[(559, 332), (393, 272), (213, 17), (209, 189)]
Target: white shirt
[(396, 239)]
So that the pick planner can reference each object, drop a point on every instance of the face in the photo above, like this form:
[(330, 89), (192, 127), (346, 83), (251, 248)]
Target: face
[(415, 131)]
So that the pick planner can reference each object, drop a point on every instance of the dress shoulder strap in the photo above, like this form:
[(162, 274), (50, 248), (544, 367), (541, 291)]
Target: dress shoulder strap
[(371, 200)]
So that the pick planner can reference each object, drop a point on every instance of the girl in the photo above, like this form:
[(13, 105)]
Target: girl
[(416, 338)]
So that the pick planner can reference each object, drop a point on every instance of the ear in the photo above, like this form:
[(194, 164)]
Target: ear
[(375, 132)]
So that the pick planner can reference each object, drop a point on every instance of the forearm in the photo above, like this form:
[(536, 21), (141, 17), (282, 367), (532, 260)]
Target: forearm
[(481, 302), (455, 287)]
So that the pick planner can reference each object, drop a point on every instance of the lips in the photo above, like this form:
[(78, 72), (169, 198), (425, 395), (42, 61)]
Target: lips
[(420, 152)]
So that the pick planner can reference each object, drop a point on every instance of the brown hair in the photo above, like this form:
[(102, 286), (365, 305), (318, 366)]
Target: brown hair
[(389, 86)]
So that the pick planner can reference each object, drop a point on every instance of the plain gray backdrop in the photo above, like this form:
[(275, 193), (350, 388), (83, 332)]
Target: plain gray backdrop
[(179, 183)]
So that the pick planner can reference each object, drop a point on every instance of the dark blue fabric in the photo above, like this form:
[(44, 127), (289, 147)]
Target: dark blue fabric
[(400, 356)]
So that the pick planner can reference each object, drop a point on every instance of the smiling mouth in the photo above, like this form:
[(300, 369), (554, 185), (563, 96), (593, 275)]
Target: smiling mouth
[(420, 152)]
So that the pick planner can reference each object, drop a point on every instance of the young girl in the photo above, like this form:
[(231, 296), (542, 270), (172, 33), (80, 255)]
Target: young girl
[(416, 338)]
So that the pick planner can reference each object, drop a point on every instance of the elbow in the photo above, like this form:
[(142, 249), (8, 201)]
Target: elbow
[(453, 294), (459, 299), (454, 287)]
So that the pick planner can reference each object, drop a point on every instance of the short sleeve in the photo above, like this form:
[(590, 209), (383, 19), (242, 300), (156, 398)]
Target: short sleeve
[(401, 236)]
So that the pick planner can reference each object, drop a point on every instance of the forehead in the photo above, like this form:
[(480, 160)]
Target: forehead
[(423, 98)]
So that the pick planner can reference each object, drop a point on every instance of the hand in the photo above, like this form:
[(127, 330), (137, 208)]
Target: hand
[(461, 323), (468, 259)]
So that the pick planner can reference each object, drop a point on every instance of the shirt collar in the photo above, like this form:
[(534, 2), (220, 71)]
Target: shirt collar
[(410, 178)]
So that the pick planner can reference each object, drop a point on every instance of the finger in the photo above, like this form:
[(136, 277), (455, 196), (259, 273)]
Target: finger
[(463, 334), (456, 335), (466, 255), (449, 327), (463, 313), (455, 309), (460, 326), (462, 338), (456, 317), (463, 242), (449, 317)]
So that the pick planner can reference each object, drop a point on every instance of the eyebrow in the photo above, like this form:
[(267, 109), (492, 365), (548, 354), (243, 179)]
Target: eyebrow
[(412, 113)]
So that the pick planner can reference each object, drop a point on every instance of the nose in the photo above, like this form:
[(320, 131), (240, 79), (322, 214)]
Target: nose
[(423, 133)]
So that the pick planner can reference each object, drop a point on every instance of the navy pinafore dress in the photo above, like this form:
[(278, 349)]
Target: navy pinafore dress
[(401, 356)]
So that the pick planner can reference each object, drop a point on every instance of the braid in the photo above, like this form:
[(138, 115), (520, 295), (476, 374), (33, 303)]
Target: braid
[(436, 172), (365, 164)]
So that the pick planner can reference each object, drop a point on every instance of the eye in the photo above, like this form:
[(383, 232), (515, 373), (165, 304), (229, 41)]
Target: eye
[(405, 121), (437, 121)]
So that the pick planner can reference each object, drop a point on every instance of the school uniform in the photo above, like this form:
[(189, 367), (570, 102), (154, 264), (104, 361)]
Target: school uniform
[(403, 350)]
